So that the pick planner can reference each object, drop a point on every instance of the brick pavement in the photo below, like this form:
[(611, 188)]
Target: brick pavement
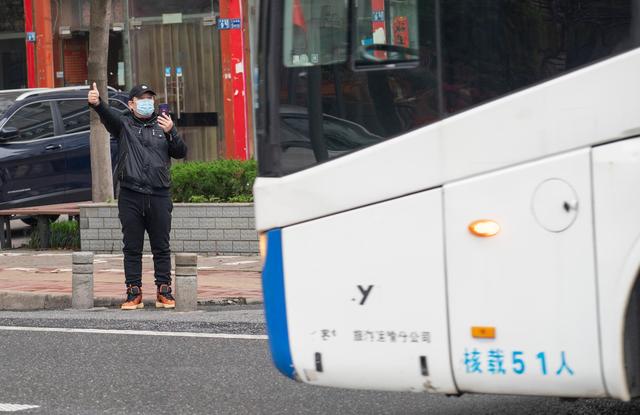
[(49, 272)]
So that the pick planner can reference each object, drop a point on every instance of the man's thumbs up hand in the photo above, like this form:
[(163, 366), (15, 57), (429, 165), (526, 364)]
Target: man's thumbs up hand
[(94, 95)]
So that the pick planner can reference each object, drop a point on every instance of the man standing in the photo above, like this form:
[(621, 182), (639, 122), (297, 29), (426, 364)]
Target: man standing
[(146, 143)]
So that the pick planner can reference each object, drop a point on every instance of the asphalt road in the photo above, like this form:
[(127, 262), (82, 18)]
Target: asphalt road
[(101, 372)]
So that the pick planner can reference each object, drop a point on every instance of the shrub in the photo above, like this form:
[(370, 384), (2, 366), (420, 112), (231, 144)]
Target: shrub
[(63, 235), (215, 181)]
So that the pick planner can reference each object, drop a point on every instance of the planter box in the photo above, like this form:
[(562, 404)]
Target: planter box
[(204, 228)]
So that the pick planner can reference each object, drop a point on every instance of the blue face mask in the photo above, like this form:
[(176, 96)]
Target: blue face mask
[(144, 107)]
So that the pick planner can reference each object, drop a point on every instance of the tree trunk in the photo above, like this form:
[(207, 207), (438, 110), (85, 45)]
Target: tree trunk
[(101, 174)]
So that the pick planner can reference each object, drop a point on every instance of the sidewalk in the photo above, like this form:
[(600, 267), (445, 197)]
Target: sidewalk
[(42, 279)]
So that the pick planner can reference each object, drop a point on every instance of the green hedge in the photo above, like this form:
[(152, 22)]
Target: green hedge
[(214, 181), (63, 235)]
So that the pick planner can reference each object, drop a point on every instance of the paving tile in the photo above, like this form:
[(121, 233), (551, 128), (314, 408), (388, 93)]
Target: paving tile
[(50, 272)]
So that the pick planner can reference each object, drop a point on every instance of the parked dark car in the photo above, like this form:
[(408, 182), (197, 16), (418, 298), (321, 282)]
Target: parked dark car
[(44, 145), (340, 137)]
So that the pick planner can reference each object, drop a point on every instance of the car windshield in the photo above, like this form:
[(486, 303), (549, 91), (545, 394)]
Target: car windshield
[(7, 98)]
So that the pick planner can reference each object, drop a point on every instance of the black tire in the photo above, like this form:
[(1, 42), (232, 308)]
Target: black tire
[(33, 222)]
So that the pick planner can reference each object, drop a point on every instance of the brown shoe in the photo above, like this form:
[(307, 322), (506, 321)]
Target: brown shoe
[(134, 298), (164, 299)]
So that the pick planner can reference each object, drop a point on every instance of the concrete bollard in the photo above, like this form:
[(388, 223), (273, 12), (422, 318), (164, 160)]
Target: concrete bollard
[(82, 280), (186, 282)]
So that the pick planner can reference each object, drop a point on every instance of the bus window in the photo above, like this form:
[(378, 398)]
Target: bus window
[(329, 110), (315, 32), (492, 48), (386, 32)]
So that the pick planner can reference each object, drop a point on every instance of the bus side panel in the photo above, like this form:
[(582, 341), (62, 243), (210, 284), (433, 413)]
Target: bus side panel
[(365, 297), (534, 282), (275, 310), (616, 184)]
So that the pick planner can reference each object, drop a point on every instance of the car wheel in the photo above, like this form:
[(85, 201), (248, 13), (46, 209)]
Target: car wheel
[(33, 222)]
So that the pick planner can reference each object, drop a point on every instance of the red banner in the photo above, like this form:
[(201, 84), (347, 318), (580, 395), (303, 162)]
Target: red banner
[(401, 31)]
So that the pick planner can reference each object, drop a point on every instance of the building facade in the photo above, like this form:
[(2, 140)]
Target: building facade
[(195, 53)]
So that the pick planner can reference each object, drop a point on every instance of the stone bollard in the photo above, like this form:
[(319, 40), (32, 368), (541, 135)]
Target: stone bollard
[(186, 282), (82, 280)]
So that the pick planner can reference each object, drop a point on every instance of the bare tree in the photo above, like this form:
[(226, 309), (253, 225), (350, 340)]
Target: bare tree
[(101, 175)]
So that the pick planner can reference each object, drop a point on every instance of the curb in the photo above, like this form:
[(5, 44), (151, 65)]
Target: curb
[(29, 301)]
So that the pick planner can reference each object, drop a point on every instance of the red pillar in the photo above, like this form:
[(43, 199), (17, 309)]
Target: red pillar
[(28, 27), (231, 25), (44, 44)]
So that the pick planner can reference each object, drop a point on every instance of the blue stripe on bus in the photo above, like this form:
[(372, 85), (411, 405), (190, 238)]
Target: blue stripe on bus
[(275, 308)]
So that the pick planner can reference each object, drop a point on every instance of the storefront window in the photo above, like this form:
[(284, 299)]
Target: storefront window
[(146, 8), (387, 32), (75, 14), (12, 46), (12, 12), (315, 32)]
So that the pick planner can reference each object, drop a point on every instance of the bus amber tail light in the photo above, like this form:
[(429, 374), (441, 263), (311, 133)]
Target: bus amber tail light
[(484, 228)]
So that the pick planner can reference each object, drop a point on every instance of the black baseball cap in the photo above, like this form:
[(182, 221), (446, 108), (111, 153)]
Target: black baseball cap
[(138, 90)]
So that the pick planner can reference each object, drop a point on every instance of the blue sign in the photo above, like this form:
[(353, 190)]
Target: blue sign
[(31, 36), (167, 71), (224, 24), (378, 16), (179, 71)]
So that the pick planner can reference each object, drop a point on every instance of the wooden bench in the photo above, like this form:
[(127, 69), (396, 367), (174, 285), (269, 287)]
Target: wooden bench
[(41, 213)]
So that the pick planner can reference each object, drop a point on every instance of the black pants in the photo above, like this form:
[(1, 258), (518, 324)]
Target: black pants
[(139, 212)]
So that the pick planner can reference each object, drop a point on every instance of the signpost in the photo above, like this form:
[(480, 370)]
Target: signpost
[(167, 78), (178, 81)]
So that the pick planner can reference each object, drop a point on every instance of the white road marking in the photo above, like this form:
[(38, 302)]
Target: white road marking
[(38, 270), (12, 407), (138, 332)]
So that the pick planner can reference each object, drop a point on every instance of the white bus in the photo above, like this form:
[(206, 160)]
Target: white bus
[(450, 194)]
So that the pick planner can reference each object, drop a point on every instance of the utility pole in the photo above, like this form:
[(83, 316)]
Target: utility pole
[(101, 174)]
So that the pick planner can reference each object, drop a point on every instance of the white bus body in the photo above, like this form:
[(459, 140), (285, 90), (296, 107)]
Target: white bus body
[(373, 279)]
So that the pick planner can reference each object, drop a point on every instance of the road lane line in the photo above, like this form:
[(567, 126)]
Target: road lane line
[(138, 332), (13, 407)]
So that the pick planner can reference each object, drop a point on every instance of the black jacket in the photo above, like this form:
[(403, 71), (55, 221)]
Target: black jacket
[(144, 150)]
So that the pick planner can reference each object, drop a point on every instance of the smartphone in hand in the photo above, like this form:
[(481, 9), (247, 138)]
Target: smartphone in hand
[(164, 109)]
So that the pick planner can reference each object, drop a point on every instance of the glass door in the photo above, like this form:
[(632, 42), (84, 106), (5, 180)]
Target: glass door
[(179, 56)]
